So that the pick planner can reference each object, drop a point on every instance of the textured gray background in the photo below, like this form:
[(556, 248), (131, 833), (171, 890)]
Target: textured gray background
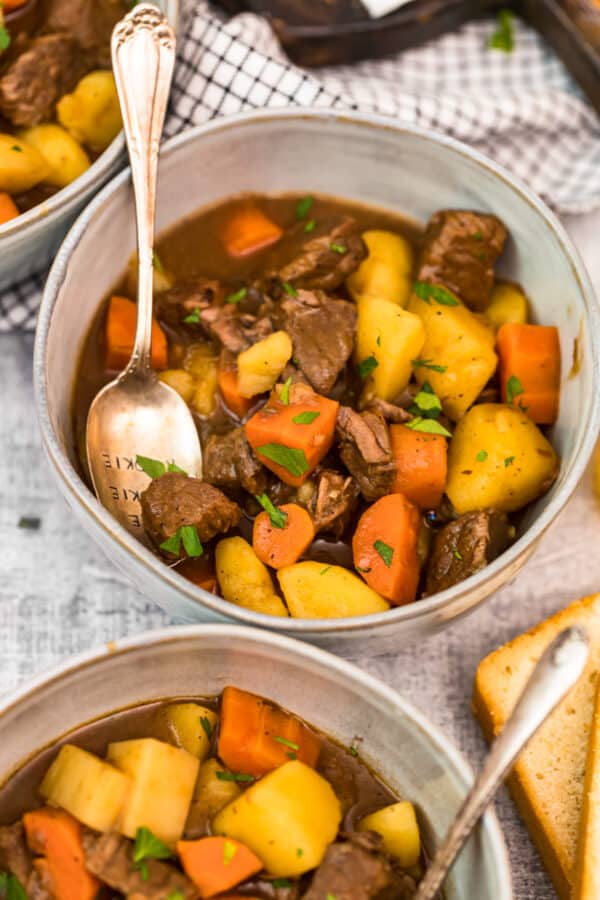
[(60, 595)]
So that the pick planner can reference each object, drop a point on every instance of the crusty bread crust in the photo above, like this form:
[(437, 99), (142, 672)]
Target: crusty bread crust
[(587, 876), (547, 781)]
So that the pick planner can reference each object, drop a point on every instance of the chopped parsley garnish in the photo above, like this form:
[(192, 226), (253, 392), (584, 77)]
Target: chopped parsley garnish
[(353, 751), (428, 364), (285, 392), (503, 37), (156, 263), (281, 883), (325, 570), (367, 366), (426, 403), (508, 461), (30, 523), (291, 744), (513, 388), (207, 727), (173, 467), (477, 236), (363, 570), (305, 418), (148, 846), (385, 551), (378, 341), (428, 426), (11, 887), (457, 554), (237, 296), (229, 851), (154, 468), (16, 148), (290, 289), (310, 225), (330, 897), (4, 38), (338, 248), (299, 852), (290, 458), (277, 516), (240, 777), (175, 895), (482, 456), (429, 292), (193, 318), (188, 536), (304, 206)]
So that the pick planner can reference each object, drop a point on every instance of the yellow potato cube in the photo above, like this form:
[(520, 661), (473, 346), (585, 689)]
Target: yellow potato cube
[(244, 579), (288, 819), (162, 786), (397, 824), (313, 590), (181, 381), (508, 304), (387, 271), (66, 158), (190, 724), (393, 337), (92, 113), (260, 366), (88, 788), (212, 794), (22, 166)]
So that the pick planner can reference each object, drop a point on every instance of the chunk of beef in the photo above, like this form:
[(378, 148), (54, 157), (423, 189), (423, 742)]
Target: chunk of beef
[(459, 252), (175, 499), (333, 501), (235, 331), (465, 546), (322, 331), (229, 462), (31, 86), (110, 858), (39, 885), (390, 411), (355, 869), (324, 258), (182, 300), (90, 22), (366, 450), (14, 855)]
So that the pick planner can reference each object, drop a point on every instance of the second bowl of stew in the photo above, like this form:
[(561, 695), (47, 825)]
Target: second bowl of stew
[(390, 354)]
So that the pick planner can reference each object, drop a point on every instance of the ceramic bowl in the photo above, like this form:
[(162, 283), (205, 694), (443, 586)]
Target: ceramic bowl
[(412, 756), (366, 159), (30, 241)]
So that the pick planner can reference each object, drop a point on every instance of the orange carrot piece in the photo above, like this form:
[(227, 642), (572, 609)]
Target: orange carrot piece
[(384, 548), (8, 208), (120, 333), (228, 385), (305, 426), (531, 354), (248, 231), (421, 465), (255, 737), (56, 836), (278, 547), (200, 571), (12, 4), (216, 864)]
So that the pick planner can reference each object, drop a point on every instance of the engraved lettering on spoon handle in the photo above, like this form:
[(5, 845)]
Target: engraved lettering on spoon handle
[(143, 55)]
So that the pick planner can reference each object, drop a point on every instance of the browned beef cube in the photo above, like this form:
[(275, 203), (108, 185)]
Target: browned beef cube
[(366, 450), (229, 462), (14, 855), (322, 259), (465, 546)]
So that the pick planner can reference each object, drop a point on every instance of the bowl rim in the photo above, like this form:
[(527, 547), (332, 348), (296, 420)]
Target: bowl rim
[(352, 673), (34, 219), (196, 597)]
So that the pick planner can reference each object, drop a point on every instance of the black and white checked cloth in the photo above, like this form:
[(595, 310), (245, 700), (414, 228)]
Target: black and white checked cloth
[(522, 108)]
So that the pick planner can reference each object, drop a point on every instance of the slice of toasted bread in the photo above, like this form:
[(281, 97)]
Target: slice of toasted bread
[(587, 877), (547, 781)]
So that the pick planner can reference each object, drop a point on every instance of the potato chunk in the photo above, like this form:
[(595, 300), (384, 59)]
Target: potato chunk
[(387, 270), (508, 304), (162, 785), (463, 345), (313, 590), (260, 366), (88, 788), (244, 579), (190, 724), (91, 114), (212, 793), (181, 381), (397, 824), (289, 810), (393, 337), (67, 159), (498, 458), (22, 166)]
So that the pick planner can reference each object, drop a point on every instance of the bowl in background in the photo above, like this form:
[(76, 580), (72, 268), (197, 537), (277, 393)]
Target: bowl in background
[(367, 159), (411, 756)]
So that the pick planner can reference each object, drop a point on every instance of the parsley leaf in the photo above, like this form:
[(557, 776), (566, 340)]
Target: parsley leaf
[(338, 248), (188, 536), (286, 743), (206, 727), (299, 851), (457, 554), (290, 458), (353, 751), (229, 851), (305, 418), (427, 403), (11, 887), (175, 895), (193, 318), (173, 467), (16, 148), (290, 289), (367, 366), (482, 456), (304, 206), (285, 392), (240, 777), (148, 846), (385, 551), (157, 264), (154, 468), (508, 461), (429, 292), (4, 38), (503, 37), (281, 883), (325, 570), (237, 296), (277, 516), (310, 226), (428, 364), (513, 388), (428, 426)]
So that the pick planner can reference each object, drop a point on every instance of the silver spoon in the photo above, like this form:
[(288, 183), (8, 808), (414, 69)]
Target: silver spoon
[(555, 674), (136, 414)]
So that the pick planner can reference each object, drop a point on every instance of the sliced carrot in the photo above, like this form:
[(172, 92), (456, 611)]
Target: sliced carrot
[(120, 333), (248, 231), (529, 362), (384, 548), (13, 4), (255, 737), (56, 836), (421, 465), (278, 547), (8, 208), (292, 439), (200, 572), (216, 864), (228, 385)]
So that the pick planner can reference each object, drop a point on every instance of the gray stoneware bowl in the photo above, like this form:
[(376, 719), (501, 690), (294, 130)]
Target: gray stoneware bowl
[(366, 159), (30, 241), (412, 756)]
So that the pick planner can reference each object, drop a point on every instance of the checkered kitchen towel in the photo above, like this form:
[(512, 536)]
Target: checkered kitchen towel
[(520, 108)]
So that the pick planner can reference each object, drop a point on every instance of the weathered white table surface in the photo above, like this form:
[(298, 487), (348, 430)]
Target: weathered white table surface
[(60, 595)]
